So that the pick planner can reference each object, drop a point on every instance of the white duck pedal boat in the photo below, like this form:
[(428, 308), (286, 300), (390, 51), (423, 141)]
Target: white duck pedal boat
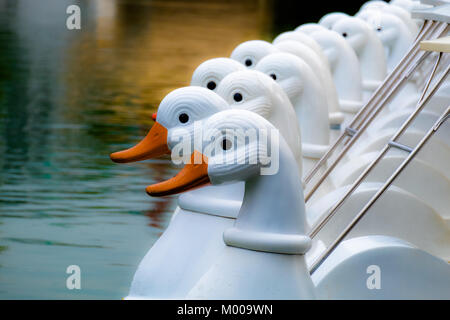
[(157, 277), (336, 117), (397, 11), (331, 18), (303, 88), (430, 162), (306, 40), (393, 33), (369, 50), (345, 68), (273, 65), (210, 73), (249, 53), (216, 205), (410, 6), (259, 237), (297, 80)]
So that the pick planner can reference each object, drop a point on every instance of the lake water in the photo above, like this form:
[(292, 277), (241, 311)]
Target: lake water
[(68, 98)]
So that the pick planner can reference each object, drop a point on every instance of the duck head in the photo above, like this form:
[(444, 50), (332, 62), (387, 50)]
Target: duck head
[(305, 91), (257, 92), (250, 52), (309, 56), (323, 73), (397, 11), (291, 36), (355, 31), (252, 90), (373, 4), (211, 72), (330, 42), (393, 33), (369, 49), (232, 150), (286, 70), (344, 65), (388, 27), (300, 50), (330, 19), (408, 5), (176, 114), (309, 28), (305, 39)]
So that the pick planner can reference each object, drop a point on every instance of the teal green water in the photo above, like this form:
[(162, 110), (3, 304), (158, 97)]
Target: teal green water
[(68, 98)]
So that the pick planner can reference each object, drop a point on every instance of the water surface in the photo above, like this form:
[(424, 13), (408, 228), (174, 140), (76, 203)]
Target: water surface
[(68, 98)]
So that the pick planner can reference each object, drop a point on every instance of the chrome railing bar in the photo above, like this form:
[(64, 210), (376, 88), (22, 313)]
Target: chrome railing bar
[(429, 27), (350, 131), (378, 107), (318, 226), (386, 97), (422, 30), (400, 146), (380, 192), (421, 59), (425, 30), (399, 70), (433, 72), (407, 59), (438, 30), (445, 59)]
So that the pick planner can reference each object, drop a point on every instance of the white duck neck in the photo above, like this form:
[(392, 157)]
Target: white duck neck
[(347, 77), (222, 201), (397, 50), (283, 117), (372, 59), (272, 216)]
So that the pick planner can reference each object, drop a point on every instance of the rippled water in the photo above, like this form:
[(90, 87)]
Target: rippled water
[(70, 97)]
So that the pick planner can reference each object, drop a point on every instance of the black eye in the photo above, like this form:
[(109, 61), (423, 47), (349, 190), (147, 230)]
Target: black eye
[(248, 62), (211, 85), (344, 34), (237, 97), (183, 118), (274, 76), (226, 144), (379, 29)]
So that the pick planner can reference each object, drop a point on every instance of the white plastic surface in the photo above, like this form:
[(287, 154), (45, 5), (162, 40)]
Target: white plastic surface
[(379, 267)]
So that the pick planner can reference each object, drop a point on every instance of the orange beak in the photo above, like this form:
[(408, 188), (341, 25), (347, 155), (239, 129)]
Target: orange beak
[(190, 177), (154, 145), (154, 116)]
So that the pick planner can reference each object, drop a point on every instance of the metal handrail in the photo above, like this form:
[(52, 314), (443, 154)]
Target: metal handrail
[(384, 93), (380, 192), (422, 102), (427, 26), (390, 84)]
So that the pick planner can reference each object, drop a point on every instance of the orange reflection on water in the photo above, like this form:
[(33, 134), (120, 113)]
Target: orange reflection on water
[(130, 54), (133, 53)]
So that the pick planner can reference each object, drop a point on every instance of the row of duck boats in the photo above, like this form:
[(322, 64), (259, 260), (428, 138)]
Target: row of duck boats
[(358, 206)]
